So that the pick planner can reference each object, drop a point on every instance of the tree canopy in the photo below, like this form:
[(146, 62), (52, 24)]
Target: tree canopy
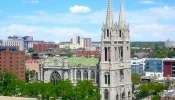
[(153, 89), (64, 89), (135, 78)]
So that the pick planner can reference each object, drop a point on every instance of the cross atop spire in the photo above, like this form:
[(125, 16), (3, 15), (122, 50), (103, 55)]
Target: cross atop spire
[(122, 14), (109, 16)]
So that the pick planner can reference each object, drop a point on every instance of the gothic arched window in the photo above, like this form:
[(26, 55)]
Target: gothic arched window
[(120, 33), (78, 75), (106, 94), (107, 32), (93, 76), (123, 95), (129, 94), (55, 76), (85, 75), (107, 78), (121, 73)]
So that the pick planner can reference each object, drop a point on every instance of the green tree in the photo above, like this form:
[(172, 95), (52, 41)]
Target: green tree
[(9, 84), (47, 90), (155, 97), (171, 54), (27, 72), (32, 73), (152, 88), (64, 89), (144, 90), (135, 78), (31, 50), (85, 90), (69, 55)]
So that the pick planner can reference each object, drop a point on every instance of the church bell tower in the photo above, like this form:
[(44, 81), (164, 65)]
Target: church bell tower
[(114, 69)]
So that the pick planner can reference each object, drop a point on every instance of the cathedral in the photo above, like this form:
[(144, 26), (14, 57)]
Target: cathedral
[(111, 73), (114, 68)]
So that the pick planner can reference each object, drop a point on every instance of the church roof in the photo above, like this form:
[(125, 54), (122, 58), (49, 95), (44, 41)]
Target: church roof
[(83, 61), (78, 60)]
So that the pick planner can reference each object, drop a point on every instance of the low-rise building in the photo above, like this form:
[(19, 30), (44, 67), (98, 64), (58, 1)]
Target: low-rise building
[(170, 44), (154, 67), (32, 65), (40, 47), (85, 53), (138, 66), (31, 43), (169, 67)]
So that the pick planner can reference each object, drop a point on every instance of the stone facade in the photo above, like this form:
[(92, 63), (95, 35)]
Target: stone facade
[(115, 70), (59, 68)]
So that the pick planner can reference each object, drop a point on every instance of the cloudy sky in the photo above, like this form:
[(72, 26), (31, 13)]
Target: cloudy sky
[(59, 20)]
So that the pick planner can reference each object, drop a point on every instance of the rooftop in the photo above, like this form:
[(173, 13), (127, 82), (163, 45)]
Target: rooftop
[(83, 61), (79, 60)]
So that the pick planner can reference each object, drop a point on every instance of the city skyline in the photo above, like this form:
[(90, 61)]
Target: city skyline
[(49, 20)]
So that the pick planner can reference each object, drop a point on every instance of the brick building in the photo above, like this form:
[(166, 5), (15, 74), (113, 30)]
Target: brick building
[(83, 53), (32, 65), (169, 68), (40, 47), (12, 60)]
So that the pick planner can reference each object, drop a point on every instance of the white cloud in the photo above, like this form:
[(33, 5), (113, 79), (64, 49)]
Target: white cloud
[(62, 18), (35, 1), (44, 33), (143, 22), (148, 2), (79, 9)]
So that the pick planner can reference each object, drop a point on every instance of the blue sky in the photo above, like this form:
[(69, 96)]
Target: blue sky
[(59, 20)]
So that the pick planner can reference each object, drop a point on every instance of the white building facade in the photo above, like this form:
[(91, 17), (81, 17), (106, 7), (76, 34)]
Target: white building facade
[(16, 42), (138, 66), (60, 68), (114, 69), (77, 42)]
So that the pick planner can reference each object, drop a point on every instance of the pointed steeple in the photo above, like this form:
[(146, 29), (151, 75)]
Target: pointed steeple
[(122, 14), (109, 16)]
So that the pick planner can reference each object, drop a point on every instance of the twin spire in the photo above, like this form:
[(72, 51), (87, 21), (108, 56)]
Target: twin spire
[(109, 17)]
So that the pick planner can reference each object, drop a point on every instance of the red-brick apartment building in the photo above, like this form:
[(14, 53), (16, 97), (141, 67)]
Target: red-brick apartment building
[(12, 60), (40, 47), (169, 68), (84, 53)]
